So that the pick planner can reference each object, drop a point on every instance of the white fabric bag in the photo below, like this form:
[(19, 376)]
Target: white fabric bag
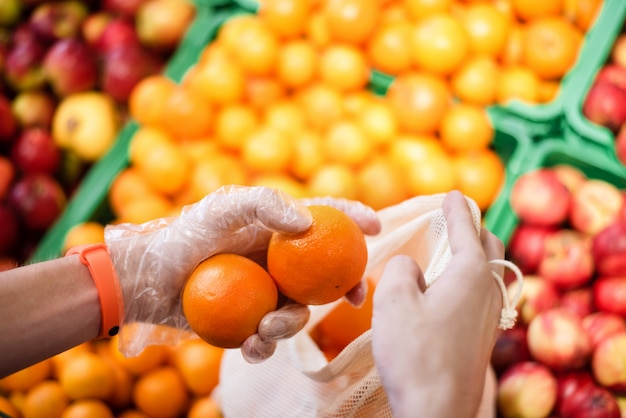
[(298, 381)]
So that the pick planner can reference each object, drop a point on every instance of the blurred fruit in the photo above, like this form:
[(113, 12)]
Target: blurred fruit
[(475, 81), (8, 121), (126, 8), (7, 175), (204, 407), (46, 399), (34, 108), (343, 67), (161, 393), (333, 237), (57, 20), (604, 105), (89, 232), (70, 67), (526, 389), (199, 365), (479, 175), (10, 12), (388, 48), (34, 151), (87, 376), (215, 315), (118, 31), (351, 21), (531, 9), (487, 29), (38, 200), (88, 408), (162, 24), (287, 18), (28, 377)]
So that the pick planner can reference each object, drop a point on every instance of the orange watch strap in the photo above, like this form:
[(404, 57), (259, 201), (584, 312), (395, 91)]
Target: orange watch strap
[(98, 260)]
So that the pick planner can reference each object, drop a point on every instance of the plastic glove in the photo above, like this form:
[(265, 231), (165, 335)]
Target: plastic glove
[(154, 259)]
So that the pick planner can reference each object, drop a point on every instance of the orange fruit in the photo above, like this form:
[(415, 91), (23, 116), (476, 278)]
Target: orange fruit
[(513, 48), (409, 150), (263, 91), (351, 21), (59, 360), (132, 413), (148, 208), (346, 143), (317, 30), (28, 377), (308, 154), (87, 375), (216, 79), (267, 150), (476, 80), (286, 18), (479, 175), (187, 114), (431, 176), (343, 67), (380, 183), (46, 399), (122, 393), (586, 13), (204, 407), (149, 359), (254, 47), (233, 123), (487, 28), (209, 174), (297, 63), (466, 127), (548, 90), (199, 365), (147, 99), (8, 408), (345, 323), (333, 179), (532, 9), (419, 101), (280, 181), (285, 116), (321, 264), (439, 44), (161, 393), (321, 104), (388, 48), (551, 46), (88, 408), (517, 83), (378, 122), (89, 232), (419, 9), (225, 298), (127, 186)]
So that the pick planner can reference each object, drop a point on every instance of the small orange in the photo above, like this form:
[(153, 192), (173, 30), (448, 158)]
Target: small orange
[(88, 408), (476, 80), (254, 46), (147, 208), (321, 264), (465, 127), (46, 399), (550, 46), (59, 360), (28, 377), (286, 18), (263, 91), (152, 356), (7, 407), (433, 175), (346, 143), (147, 99), (378, 122), (420, 101), (87, 375), (388, 48), (233, 123), (308, 154), (285, 116), (187, 114), (297, 63), (132, 413), (161, 393), (321, 104), (479, 175), (333, 179), (419, 9), (127, 186), (217, 79), (351, 21), (487, 28), (517, 83), (381, 183), (267, 150), (225, 298), (204, 407), (317, 30), (344, 67), (280, 181), (532, 9), (439, 44), (209, 174), (513, 48), (199, 365), (409, 150), (89, 232), (586, 13)]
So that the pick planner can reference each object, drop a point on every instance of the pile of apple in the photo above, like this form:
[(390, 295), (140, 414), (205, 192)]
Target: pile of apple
[(566, 356), (605, 103), (66, 71)]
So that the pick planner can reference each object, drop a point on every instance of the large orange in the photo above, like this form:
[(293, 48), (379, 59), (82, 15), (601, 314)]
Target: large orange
[(465, 127), (476, 80), (487, 28), (286, 18), (344, 67), (199, 365), (46, 399), (479, 175), (351, 21), (388, 48), (161, 393), (87, 375), (225, 298), (321, 264)]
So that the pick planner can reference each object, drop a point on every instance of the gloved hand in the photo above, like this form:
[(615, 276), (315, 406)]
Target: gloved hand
[(154, 259)]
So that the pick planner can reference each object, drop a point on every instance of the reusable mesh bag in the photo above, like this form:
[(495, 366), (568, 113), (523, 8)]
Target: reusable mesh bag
[(298, 381)]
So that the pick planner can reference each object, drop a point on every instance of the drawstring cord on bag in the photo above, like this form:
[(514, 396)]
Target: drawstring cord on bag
[(509, 313)]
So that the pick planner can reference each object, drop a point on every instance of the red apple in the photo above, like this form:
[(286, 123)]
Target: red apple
[(56, 20), (8, 122), (608, 363), (590, 401), (537, 295), (7, 175), (117, 32), (620, 144), (618, 51), (567, 262), (526, 246), (510, 348), (162, 24), (578, 301), (35, 151), (526, 389), (34, 108), (595, 205), (38, 199), (609, 294), (608, 248), (93, 26), (539, 198), (601, 324), (10, 230), (613, 74), (124, 67), (557, 339), (605, 105), (570, 382), (23, 66), (126, 8), (570, 176), (70, 67)]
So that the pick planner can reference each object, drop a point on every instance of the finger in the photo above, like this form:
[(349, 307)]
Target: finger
[(401, 283), (462, 232), (284, 322), (363, 215), (255, 350), (493, 247), (233, 207), (356, 295)]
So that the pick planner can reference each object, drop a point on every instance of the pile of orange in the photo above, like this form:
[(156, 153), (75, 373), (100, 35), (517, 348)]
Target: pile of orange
[(95, 380), (282, 99)]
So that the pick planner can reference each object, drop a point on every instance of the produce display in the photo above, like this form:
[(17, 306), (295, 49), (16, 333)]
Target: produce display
[(66, 71), (371, 100)]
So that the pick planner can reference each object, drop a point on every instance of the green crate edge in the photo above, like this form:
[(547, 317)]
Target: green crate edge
[(595, 53), (91, 194)]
